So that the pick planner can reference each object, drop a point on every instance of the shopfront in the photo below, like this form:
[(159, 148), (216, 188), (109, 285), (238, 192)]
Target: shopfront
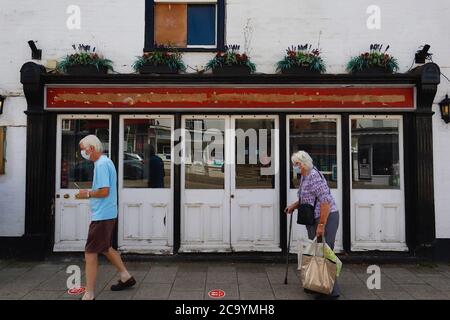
[(204, 161)]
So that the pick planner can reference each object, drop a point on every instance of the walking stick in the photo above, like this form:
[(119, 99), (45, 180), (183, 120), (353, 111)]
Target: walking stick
[(288, 248)]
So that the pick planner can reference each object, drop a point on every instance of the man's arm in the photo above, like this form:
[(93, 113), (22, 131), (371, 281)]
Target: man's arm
[(99, 193)]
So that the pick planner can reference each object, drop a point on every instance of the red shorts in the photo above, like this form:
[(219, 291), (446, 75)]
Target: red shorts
[(100, 236)]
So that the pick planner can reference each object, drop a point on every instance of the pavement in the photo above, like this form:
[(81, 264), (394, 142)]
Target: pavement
[(187, 280)]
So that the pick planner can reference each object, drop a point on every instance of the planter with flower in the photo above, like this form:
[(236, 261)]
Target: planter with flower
[(161, 60), (375, 61), (231, 62), (301, 60), (84, 62)]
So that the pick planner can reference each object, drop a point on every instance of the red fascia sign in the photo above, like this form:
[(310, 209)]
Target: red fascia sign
[(86, 98)]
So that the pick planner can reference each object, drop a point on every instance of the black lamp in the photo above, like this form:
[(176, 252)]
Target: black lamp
[(35, 52), (423, 54), (2, 100), (445, 109)]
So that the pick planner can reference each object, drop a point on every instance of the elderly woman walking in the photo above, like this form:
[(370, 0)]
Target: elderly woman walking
[(314, 186)]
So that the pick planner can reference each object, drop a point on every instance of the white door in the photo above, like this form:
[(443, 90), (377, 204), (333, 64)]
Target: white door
[(72, 216), (255, 212), (377, 196), (230, 203), (320, 136), (146, 184), (205, 192)]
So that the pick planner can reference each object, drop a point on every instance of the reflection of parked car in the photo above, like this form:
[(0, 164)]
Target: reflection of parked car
[(82, 171), (133, 166)]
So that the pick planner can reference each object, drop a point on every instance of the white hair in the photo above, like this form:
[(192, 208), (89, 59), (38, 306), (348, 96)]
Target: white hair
[(304, 158), (92, 140)]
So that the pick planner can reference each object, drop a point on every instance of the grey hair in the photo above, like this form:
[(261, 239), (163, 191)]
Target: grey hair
[(92, 140), (304, 158)]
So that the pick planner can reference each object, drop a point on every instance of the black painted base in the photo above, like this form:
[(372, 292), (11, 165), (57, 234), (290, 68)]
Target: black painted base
[(442, 250), (28, 247)]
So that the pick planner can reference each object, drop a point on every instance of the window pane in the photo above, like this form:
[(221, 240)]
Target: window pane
[(253, 147), (201, 24), (171, 24), (74, 169), (205, 158), (318, 137), (146, 157), (375, 154)]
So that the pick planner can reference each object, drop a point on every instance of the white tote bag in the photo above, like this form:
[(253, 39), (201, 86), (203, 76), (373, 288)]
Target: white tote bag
[(311, 247), (305, 246)]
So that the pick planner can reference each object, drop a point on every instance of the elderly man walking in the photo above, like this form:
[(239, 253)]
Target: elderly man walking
[(103, 204)]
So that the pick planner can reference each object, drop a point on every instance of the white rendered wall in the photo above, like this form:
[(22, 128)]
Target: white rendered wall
[(264, 27)]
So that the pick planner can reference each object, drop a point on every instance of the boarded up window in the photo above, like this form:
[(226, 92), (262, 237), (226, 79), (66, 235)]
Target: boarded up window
[(2, 149), (171, 24), (185, 24)]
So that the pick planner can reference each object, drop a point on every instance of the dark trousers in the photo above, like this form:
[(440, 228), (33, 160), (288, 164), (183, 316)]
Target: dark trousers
[(330, 235)]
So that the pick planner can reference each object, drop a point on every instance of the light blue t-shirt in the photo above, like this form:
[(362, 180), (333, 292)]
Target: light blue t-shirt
[(104, 176)]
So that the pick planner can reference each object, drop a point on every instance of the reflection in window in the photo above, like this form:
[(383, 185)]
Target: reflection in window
[(254, 145), (74, 169), (317, 136), (146, 157), (204, 154), (375, 154)]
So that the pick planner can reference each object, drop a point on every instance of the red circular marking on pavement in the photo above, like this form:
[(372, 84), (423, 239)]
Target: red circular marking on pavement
[(76, 291), (216, 293)]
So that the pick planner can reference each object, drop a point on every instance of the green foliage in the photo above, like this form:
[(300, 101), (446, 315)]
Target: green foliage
[(161, 56), (374, 58), (231, 57), (302, 56), (84, 56)]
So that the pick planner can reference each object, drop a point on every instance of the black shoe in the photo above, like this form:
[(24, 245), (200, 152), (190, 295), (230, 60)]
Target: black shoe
[(309, 291), (326, 297), (123, 285)]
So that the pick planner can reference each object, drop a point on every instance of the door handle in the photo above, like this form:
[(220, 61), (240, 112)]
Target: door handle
[(232, 196), (66, 196)]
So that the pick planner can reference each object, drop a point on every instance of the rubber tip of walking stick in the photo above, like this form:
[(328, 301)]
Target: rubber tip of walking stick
[(285, 281)]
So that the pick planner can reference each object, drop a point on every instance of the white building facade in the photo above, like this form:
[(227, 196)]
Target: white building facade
[(219, 206)]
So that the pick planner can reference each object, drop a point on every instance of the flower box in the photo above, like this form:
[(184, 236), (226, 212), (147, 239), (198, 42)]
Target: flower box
[(162, 60), (373, 70), (161, 69), (231, 63), (375, 61), (234, 70), (86, 70), (84, 62), (300, 70)]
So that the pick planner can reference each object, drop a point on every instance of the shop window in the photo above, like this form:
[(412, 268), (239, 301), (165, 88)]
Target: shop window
[(375, 154), (2, 149), (204, 154), (146, 157), (76, 171), (186, 25), (318, 137), (254, 143)]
